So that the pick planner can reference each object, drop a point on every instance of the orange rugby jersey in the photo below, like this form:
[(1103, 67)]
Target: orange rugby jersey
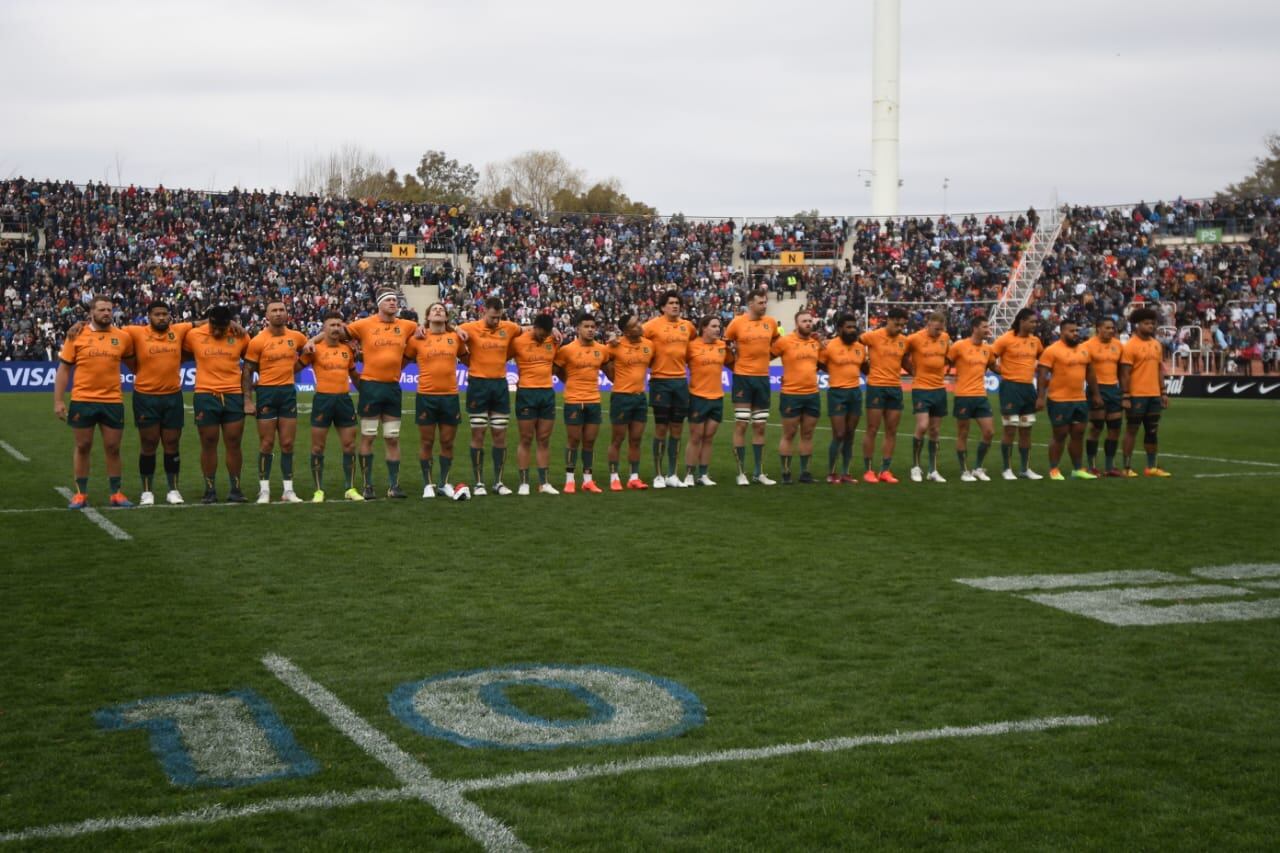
[(437, 357), (843, 363), (159, 356), (331, 364), (96, 357), (928, 359), (382, 346), (582, 370), (489, 347), (631, 361), (971, 361), (671, 342), (1070, 365), (275, 355), (1017, 356), (885, 354), (706, 363), (1105, 358), (533, 360), (754, 339), (1144, 359), (217, 360), (799, 363)]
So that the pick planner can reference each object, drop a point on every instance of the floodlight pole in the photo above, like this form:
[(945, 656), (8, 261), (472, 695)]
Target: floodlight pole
[(886, 38)]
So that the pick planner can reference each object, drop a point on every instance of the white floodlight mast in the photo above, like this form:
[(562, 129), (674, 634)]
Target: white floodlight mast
[(886, 39)]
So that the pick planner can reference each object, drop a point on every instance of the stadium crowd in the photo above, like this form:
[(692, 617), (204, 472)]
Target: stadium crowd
[(195, 249)]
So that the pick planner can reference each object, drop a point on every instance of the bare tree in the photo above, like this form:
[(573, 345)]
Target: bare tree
[(348, 172), (532, 179)]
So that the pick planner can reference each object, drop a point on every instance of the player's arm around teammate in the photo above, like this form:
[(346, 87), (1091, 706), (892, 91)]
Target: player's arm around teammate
[(927, 364), (1062, 376), (1017, 351), (218, 401), (273, 355), (437, 349), (669, 333)]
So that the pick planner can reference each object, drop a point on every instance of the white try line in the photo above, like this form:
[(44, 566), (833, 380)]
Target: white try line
[(445, 797), (13, 451), (95, 516), (1240, 474), (215, 813)]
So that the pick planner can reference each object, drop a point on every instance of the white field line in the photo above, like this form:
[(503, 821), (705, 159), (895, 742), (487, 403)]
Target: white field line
[(667, 762), (216, 813), (1240, 474), (193, 505), (211, 814), (95, 516), (13, 451), (445, 797)]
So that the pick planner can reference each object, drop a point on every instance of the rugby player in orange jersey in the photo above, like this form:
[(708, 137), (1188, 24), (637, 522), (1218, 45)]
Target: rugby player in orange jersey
[(1142, 391), (273, 354), (845, 361), (96, 399), (219, 398), (1104, 352), (334, 363), (535, 354), (488, 398), (668, 388), (751, 336), (1016, 352), (629, 360), (800, 404), (927, 363), (972, 357), (1062, 373), (383, 338), (437, 352), (886, 349), (578, 364), (707, 355)]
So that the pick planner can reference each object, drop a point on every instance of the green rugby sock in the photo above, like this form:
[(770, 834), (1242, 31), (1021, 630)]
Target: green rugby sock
[(348, 469), (983, 447), (833, 450), (393, 473), (317, 471), (264, 466), (588, 456), (673, 451), (366, 468), (424, 465), (757, 453), (933, 455), (147, 470), (114, 484), (286, 465), (82, 485), (446, 462), (499, 455)]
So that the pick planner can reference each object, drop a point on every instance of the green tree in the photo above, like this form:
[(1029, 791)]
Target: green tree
[(444, 180), (601, 197), (1265, 180)]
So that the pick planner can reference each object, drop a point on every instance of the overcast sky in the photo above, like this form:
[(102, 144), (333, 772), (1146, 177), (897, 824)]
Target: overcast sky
[(706, 107)]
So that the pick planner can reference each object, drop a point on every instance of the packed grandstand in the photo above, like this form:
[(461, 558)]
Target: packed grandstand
[(1211, 268)]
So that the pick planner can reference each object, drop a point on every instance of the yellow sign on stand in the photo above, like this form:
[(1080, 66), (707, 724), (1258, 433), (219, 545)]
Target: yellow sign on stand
[(404, 250)]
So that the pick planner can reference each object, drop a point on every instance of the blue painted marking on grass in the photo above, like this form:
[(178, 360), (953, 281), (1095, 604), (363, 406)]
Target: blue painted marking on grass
[(494, 694), (479, 703), (175, 758)]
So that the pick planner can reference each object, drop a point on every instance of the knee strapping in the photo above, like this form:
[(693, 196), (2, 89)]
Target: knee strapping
[(369, 426), (391, 429), (1150, 428), (498, 422), (479, 421), (760, 417), (742, 416)]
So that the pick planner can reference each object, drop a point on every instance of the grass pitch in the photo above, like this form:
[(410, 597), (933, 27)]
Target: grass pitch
[(794, 614)]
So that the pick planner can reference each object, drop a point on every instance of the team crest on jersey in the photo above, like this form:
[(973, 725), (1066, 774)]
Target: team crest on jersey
[(449, 341), (231, 340), (595, 353), (172, 336), (547, 347), (344, 356), (502, 333), (290, 342), (397, 330), (901, 345), (646, 350), (115, 342)]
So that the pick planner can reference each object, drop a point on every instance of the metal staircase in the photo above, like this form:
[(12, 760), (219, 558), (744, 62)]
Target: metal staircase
[(1017, 293)]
